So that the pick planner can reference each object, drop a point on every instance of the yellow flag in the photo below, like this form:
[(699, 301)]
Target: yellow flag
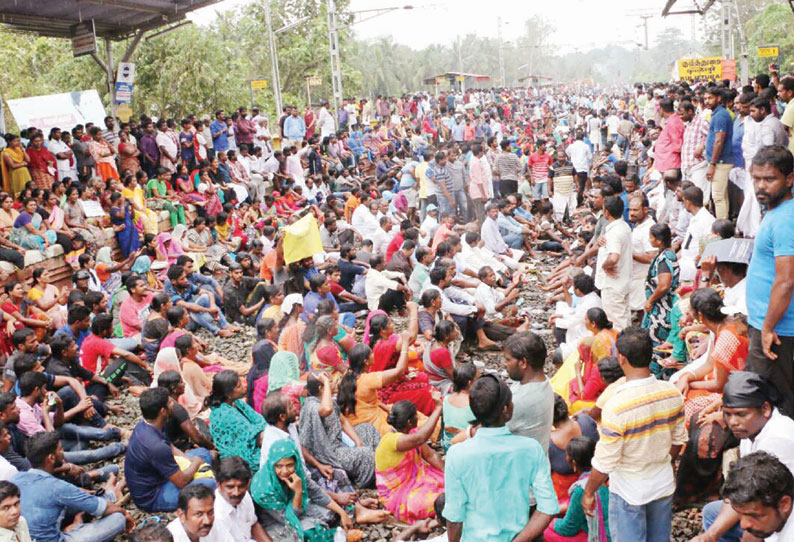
[(302, 240)]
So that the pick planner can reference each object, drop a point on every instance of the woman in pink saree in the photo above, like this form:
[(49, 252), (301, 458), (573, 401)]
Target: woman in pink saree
[(409, 474)]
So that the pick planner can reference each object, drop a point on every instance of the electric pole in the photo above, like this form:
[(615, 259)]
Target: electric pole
[(645, 24), (271, 40), (336, 62)]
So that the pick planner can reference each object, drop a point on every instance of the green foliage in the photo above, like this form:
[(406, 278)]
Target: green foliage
[(771, 27)]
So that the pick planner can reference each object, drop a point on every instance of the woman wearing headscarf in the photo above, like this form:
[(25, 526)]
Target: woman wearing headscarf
[(284, 376), (291, 326), (180, 245), (143, 267), (291, 513), (236, 427)]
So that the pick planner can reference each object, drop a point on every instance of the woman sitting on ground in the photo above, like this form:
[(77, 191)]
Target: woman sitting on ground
[(48, 298), (358, 392), (409, 474), (328, 435), (29, 231), (457, 413), (438, 361), (703, 384), (261, 353), (576, 526), (236, 427), (25, 313), (323, 352), (564, 429), (291, 513), (386, 348), (292, 327)]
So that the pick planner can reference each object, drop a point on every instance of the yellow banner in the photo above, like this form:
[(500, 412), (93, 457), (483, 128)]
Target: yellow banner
[(259, 84), (700, 68), (764, 52)]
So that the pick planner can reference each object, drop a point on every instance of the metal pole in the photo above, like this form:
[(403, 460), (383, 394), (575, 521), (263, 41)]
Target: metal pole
[(336, 63), (110, 77), (271, 39), (251, 92), (460, 65), (308, 93)]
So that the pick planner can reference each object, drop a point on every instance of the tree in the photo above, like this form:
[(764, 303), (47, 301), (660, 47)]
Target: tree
[(771, 27)]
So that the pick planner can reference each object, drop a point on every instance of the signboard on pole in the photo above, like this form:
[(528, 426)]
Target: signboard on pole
[(123, 93), (766, 52), (83, 38), (440, 80), (700, 68), (126, 73), (124, 112), (258, 84), (314, 80)]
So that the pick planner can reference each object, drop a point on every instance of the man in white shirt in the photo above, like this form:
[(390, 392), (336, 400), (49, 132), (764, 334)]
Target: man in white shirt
[(383, 291), (580, 156), (325, 121), (750, 415), (699, 228), (613, 267), (641, 248), (235, 517), (429, 225), (571, 318), (365, 219), (195, 516), (492, 237), (382, 236), (490, 296)]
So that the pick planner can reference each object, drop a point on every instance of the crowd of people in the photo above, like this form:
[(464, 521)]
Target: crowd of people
[(378, 253)]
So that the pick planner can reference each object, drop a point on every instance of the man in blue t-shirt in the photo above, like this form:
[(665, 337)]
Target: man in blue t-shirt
[(219, 132), (153, 476), (770, 278), (719, 152)]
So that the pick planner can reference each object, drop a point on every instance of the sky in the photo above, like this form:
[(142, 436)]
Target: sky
[(596, 22)]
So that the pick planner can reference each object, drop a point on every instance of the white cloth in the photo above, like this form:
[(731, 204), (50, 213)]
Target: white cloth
[(378, 283), (179, 534), (273, 434), (64, 169), (699, 227), (618, 241), (163, 140), (234, 523), (640, 244), (429, 226)]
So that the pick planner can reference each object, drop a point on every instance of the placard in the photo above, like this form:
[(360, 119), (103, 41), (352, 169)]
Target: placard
[(700, 68), (92, 208)]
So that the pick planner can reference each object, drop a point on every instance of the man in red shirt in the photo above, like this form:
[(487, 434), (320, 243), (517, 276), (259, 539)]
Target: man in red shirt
[(97, 352), (539, 163), (398, 240)]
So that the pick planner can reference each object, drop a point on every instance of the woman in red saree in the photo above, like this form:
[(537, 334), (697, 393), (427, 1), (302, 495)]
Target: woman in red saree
[(415, 385), (42, 166), (409, 474), (587, 385)]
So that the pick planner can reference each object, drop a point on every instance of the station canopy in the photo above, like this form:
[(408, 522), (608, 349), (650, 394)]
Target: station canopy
[(113, 19)]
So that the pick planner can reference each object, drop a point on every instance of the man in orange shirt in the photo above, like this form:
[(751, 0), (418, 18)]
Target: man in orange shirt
[(352, 202)]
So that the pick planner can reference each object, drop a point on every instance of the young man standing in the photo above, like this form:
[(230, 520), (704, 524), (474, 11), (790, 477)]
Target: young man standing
[(613, 268), (493, 468), (770, 277), (642, 431), (719, 151)]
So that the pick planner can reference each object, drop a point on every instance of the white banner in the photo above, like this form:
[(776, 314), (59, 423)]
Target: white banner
[(62, 110)]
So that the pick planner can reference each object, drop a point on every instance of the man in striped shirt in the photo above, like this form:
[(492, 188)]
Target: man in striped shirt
[(563, 195), (642, 432)]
